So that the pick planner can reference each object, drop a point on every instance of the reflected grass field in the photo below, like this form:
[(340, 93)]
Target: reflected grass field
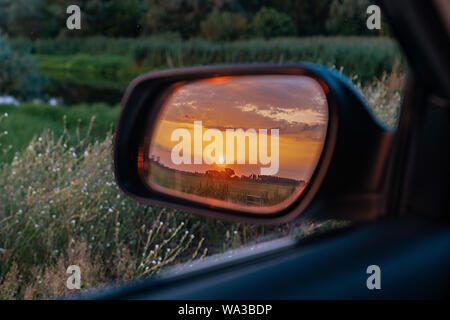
[(231, 190)]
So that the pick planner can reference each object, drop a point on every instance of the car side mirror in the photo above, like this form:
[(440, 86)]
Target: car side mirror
[(250, 142)]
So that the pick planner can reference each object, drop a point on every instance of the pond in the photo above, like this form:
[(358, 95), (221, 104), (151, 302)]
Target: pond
[(71, 92)]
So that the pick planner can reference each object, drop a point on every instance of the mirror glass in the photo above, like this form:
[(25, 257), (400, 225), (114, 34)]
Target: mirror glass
[(249, 143)]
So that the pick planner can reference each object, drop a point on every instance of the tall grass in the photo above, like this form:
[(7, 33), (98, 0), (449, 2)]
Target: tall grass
[(368, 57)]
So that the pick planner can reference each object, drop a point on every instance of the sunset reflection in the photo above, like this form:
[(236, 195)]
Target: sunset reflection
[(240, 129)]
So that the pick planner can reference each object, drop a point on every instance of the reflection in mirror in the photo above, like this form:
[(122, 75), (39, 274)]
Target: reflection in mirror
[(249, 143)]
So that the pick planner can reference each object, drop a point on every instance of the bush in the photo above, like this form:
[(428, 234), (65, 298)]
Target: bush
[(18, 73), (269, 23), (224, 26)]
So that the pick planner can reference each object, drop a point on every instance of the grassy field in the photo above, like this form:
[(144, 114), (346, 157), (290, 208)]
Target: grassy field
[(226, 190), (30, 120)]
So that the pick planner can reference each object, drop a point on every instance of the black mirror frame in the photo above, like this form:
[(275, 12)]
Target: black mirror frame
[(346, 105)]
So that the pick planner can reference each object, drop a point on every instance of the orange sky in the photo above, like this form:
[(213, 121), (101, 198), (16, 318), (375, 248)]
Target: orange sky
[(296, 105)]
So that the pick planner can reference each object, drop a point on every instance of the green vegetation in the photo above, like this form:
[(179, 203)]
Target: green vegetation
[(269, 23), (184, 18), (59, 204), (112, 63), (25, 122), (224, 26), (18, 72)]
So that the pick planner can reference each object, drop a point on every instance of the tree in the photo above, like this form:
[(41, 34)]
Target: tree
[(224, 26), (269, 23), (18, 73), (24, 18), (348, 17), (183, 16)]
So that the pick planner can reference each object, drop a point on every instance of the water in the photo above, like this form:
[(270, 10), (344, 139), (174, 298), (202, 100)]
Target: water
[(72, 92)]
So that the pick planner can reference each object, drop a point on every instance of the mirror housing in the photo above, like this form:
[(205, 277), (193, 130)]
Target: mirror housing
[(349, 173)]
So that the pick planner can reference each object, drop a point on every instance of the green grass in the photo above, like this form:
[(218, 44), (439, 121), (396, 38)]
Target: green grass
[(29, 120), (98, 71)]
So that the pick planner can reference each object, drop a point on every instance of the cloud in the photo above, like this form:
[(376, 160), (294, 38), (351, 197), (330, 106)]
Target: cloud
[(292, 103)]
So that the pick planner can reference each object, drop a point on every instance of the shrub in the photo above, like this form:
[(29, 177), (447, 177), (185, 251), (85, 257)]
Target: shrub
[(269, 23), (18, 73), (224, 26)]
